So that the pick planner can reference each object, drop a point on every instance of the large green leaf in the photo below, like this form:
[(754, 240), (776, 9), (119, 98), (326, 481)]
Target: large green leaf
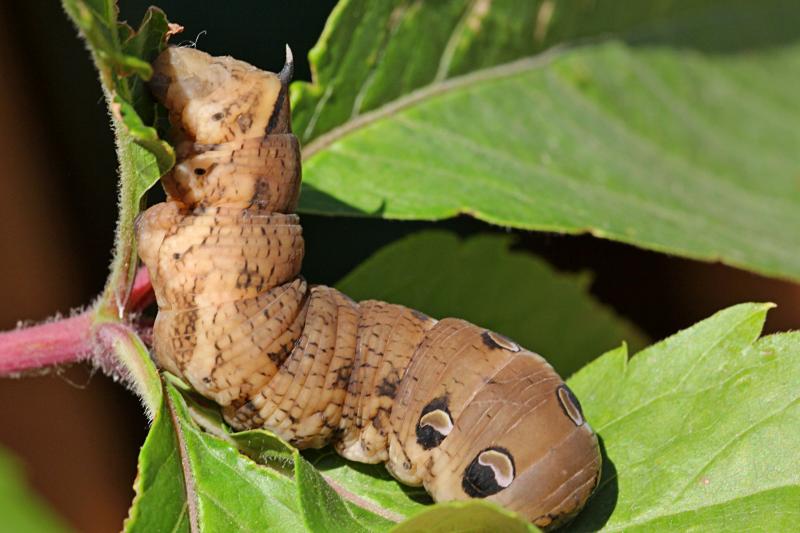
[(513, 293), (372, 483), (467, 516), (679, 135), (190, 480), (701, 431), (195, 480), (20, 509), (370, 54)]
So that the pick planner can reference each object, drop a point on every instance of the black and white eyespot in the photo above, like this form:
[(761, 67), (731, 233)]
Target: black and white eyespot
[(490, 471), (570, 405), (435, 423), (495, 340)]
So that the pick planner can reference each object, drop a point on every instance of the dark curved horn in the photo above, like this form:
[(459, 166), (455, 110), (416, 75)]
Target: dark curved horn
[(286, 73)]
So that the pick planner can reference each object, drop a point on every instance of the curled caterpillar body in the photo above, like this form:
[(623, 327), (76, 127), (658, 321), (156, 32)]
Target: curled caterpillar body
[(464, 411)]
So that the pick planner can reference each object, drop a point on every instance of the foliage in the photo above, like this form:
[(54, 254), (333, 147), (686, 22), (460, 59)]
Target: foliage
[(629, 120), (22, 511), (667, 125), (701, 431), (122, 57), (671, 460)]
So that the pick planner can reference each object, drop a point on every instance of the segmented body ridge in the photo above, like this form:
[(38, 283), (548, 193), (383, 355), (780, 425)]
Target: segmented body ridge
[(462, 410)]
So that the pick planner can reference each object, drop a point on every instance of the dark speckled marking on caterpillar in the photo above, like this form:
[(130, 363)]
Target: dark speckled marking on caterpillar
[(464, 411)]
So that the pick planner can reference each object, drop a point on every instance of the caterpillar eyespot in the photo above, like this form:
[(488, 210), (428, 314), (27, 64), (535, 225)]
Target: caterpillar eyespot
[(461, 410), (570, 405), (490, 471), (435, 423)]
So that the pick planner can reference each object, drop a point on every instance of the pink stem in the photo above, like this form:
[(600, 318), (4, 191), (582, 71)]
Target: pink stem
[(63, 341), (54, 343), (142, 291)]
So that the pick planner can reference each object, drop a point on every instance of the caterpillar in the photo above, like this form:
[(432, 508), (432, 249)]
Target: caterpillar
[(463, 411)]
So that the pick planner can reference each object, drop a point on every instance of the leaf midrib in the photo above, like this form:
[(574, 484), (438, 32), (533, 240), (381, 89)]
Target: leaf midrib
[(428, 91)]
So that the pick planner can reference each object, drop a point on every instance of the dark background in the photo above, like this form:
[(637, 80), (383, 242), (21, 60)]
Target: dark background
[(77, 433)]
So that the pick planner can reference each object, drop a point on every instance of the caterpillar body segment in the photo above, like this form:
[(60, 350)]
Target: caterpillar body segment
[(464, 411)]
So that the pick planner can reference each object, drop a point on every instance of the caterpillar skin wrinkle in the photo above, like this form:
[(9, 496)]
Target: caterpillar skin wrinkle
[(464, 411)]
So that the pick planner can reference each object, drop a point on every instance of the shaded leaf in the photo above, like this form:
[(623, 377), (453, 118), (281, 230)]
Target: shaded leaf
[(372, 483), (326, 511), (322, 508), (153, 150), (188, 476), (20, 508), (481, 280), (467, 516), (701, 431), (678, 137)]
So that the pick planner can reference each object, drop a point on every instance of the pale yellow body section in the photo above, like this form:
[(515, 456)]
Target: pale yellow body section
[(446, 404)]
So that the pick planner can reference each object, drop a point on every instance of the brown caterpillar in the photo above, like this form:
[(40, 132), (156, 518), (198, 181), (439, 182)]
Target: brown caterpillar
[(464, 411)]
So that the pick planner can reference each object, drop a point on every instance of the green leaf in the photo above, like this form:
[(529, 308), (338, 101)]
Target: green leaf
[(192, 480), (481, 280), (370, 54), (122, 58), (20, 508), (188, 476), (154, 149), (160, 501), (700, 431), (673, 128), (371, 483), (468, 516), (322, 508), (231, 475)]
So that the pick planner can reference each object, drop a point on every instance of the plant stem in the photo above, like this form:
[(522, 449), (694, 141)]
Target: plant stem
[(70, 340), (122, 355), (142, 291), (60, 342)]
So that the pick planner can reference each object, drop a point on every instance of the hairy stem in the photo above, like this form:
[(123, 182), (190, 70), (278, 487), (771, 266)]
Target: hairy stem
[(60, 342), (65, 341)]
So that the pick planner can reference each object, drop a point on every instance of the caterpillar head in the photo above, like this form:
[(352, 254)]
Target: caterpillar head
[(215, 100)]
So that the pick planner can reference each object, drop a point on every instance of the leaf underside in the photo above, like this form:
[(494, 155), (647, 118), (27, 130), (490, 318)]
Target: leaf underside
[(670, 125)]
